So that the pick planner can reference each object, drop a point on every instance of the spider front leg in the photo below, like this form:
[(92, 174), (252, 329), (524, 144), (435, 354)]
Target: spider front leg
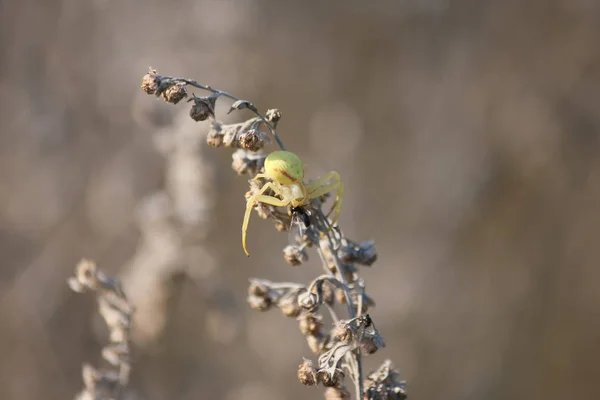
[(260, 198), (316, 189)]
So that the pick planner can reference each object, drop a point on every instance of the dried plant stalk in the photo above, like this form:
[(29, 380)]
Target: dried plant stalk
[(339, 348), (116, 311)]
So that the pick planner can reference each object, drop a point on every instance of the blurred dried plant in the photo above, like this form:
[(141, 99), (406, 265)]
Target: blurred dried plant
[(116, 311), (340, 347)]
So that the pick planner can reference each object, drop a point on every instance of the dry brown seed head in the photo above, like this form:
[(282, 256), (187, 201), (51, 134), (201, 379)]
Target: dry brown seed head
[(328, 294), (340, 296), (273, 115), (317, 343), (329, 380), (150, 82), (363, 253), (310, 325), (203, 108), (307, 374), (175, 93), (259, 303), (289, 306), (214, 138), (342, 332), (295, 255), (252, 140), (258, 288), (280, 225)]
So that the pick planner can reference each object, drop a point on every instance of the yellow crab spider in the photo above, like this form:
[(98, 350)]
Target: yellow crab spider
[(286, 172)]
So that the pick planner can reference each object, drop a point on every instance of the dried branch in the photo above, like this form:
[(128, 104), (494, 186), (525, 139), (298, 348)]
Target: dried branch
[(116, 311), (340, 348)]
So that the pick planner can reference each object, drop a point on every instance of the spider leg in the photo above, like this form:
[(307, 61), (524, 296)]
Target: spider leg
[(316, 189), (260, 198), (258, 176)]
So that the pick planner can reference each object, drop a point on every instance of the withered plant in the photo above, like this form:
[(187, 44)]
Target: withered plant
[(116, 311), (339, 348)]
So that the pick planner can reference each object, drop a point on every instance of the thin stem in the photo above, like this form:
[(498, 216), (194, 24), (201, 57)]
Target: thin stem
[(232, 97), (351, 311)]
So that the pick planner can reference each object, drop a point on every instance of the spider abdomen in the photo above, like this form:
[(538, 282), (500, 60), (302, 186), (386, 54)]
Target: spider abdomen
[(284, 167)]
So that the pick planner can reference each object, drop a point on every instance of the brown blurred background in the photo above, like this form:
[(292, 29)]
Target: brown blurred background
[(467, 135)]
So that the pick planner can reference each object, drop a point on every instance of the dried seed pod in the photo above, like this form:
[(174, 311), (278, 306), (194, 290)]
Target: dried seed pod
[(342, 332), (273, 115), (328, 294), (317, 343), (385, 383), (258, 288), (214, 138), (330, 380), (307, 374), (259, 303), (244, 162), (362, 253), (203, 107), (340, 296), (175, 93), (295, 255), (310, 324), (252, 140), (289, 306), (150, 82)]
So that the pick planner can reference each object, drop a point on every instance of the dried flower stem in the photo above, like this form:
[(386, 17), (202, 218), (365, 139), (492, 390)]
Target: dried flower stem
[(272, 128), (341, 347), (114, 307)]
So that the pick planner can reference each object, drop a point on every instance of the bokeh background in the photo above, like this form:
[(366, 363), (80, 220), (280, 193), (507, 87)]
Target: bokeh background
[(467, 135)]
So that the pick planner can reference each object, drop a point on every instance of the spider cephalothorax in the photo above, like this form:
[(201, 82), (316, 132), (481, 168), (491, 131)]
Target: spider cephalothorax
[(286, 172)]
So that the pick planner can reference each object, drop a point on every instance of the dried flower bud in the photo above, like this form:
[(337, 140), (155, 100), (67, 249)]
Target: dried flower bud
[(258, 288), (244, 162), (307, 374), (280, 226), (363, 253), (385, 383), (289, 306), (295, 255), (328, 294), (317, 344), (340, 296), (310, 325), (330, 380), (337, 393), (214, 138), (273, 115), (259, 303), (175, 93), (309, 301), (252, 140), (150, 82), (342, 332), (203, 107)]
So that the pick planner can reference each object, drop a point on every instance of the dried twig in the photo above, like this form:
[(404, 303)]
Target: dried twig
[(340, 348), (114, 307)]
